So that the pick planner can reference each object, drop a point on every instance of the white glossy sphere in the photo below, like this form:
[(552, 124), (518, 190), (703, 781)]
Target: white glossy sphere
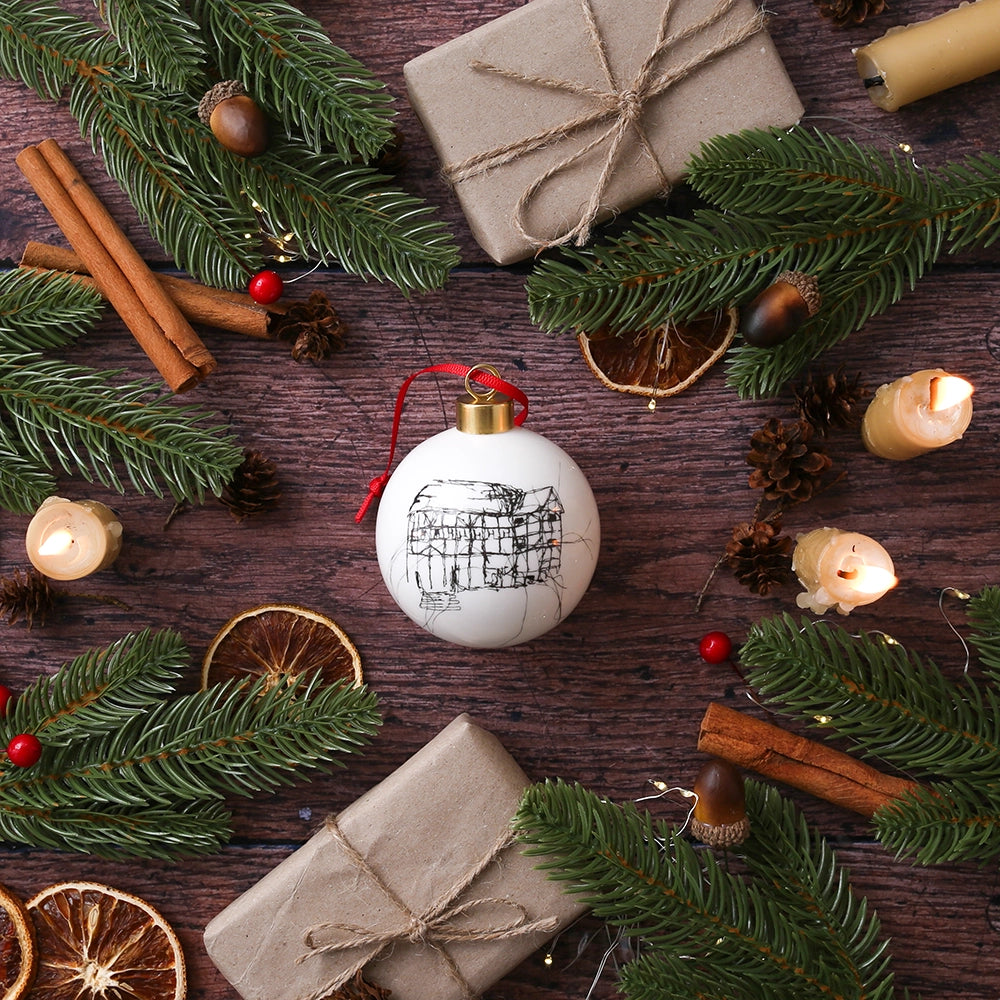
[(487, 540)]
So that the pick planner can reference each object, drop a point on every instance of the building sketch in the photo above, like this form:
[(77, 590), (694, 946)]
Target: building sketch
[(468, 535)]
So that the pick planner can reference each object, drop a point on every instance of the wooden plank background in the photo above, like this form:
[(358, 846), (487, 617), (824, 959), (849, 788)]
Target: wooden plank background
[(614, 695)]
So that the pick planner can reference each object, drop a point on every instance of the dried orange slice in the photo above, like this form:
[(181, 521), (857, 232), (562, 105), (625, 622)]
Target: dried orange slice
[(280, 642), (96, 943), (663, 360), (18, 953)]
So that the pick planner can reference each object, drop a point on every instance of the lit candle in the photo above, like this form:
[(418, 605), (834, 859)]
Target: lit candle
[(917, 60), (69, 539), (840, 569), (917, 413)]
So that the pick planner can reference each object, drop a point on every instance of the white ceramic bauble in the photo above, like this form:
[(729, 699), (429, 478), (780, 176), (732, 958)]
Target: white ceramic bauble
[(487, 540)]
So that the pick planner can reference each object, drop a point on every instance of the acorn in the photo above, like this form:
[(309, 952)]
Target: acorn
[(780, 309), (235, 120), (720, 812)]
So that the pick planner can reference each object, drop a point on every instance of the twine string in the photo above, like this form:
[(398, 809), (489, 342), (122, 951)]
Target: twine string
[(622, 106), (434, 927)]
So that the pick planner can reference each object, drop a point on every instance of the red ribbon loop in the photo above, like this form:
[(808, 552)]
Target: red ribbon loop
[(475, 373)]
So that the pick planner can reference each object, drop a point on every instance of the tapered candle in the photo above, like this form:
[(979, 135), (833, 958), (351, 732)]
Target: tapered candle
[(917, 60), (840, 569), (917, 413), (69, 539)]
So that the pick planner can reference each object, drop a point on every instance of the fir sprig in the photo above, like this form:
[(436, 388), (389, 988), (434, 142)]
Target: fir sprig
[(77, 419), (791, 927), (286, 60), (159, 37), (190, 191), (869, 226), (901, 709), (39, 312), (132, 769)]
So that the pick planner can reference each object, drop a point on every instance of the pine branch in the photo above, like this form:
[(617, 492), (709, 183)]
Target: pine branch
[(99, 691), (130, 769), (900, 709), (230, 739), (868, 226), (158, 832), (24, 481), (896, 706), (290, 65), (789, 929), (75, 418), (39, 312), (32, 36), (159, 37), (349, 215), (188, 189)]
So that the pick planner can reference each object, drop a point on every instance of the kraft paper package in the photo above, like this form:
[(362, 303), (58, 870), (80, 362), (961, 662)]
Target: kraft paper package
[(562, 113), (426, 853)]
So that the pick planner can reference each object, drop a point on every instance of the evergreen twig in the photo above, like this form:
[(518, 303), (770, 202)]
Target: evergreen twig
[(899, 708), (141, 115), (131, 769), (869, 226), (790, 928)]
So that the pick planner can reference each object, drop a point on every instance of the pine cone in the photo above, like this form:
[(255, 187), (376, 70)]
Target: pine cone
[(359, 989), (314, 328), (831, 401), (844, 13), (254, 487), (786, 466), (27, 596), (759, 556)]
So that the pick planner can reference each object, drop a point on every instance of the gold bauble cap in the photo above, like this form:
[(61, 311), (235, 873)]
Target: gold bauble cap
[(487, 412)]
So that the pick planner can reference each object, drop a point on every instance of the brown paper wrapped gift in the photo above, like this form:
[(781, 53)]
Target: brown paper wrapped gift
[(563, 112), (417, 882)]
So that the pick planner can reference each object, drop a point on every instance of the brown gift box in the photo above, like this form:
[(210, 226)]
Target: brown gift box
[(420, 848), (540, 118)]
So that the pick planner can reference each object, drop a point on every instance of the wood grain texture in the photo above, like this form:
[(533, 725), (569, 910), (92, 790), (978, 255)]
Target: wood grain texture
[(614, 695)]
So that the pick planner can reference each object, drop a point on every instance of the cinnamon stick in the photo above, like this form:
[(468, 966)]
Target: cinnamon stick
[(173, 367), (158, 304), (794, 760), (214, 307)]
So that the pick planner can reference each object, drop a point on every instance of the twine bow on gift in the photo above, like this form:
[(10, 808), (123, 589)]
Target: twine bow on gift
[(434, 927), (622, 106)]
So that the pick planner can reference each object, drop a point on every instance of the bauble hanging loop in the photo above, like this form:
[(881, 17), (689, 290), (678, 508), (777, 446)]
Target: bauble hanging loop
[(234, 118), (487, 534)]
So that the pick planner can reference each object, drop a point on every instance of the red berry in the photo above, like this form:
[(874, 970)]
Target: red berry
[(5, 695), (266, 287), (24, 750), (715, 647)]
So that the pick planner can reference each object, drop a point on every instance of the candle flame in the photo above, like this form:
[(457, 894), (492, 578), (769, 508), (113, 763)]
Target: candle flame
[(869, 579), (948, 391), (58, 542)]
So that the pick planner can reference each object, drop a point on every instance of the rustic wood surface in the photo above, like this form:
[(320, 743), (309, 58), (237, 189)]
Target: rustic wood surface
[(614, 695)]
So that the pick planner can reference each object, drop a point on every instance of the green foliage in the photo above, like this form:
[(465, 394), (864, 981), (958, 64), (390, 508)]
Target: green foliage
[(58, 415), (131, 769), (789, 927), (869, 226), (903, 710), (218, 215), (322, 94), (159, 37)]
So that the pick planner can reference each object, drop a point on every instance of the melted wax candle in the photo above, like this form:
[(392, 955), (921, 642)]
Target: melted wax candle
[(915, 61), (917, 413), (841, 569), (69, 539)]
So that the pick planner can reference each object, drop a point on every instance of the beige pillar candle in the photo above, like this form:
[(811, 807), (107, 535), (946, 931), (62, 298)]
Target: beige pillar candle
[(69, 539), (917, 60), (917, 413), (840, 569)]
